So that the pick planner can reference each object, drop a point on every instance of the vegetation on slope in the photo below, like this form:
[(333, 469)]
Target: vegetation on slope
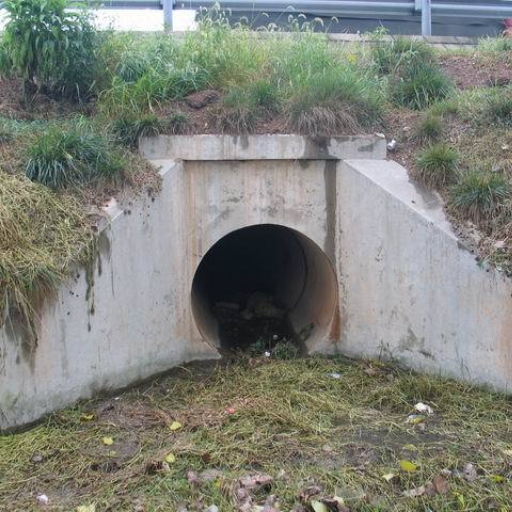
[(90, 95)]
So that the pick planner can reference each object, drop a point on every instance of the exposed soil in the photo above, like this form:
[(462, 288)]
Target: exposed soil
[(15, 105), (468, 71)]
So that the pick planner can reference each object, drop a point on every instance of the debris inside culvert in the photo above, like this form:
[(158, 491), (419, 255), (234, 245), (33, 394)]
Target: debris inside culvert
[(256, 323)]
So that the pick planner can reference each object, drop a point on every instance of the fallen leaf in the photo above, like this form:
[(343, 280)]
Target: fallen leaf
[(440, 484), (389, 476), (192, 478), (86, 417), (469, 472), (255, 481), (170, 458), (108, 441), (210, 475), (318, 506), (415, 493), (408, 466), (175, 425)]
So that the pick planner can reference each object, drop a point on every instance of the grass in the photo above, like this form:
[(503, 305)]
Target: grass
[(430, 128), (128, 129), (480, 195), (419, 87), (437, 165), (498, 107), (61, 158), (289, 419), (333, 101), (41, 234)]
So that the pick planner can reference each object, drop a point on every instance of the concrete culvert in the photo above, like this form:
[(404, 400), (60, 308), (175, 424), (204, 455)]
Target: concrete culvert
[(261, 285)]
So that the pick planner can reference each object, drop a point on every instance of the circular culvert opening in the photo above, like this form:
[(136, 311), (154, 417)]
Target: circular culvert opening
[(261, 285)]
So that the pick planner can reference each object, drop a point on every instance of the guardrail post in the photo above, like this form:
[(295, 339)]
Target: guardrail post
[(168, 5), (426, 18)]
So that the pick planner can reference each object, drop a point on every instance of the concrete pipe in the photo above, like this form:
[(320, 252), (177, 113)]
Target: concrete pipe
[(264, 284)]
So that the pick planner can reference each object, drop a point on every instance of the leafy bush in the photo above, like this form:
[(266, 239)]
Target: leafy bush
[(430, 128), (60, 158), (480, 195), (336, 100), (437, 165), (49, 47), (419, 87)]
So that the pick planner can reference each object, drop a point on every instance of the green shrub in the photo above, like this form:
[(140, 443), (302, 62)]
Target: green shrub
[(437, 165), (128, 130), (430, 128), (390, 57), (336, 100), (480, 195), (60, 158), (419, 87), (50, 48)]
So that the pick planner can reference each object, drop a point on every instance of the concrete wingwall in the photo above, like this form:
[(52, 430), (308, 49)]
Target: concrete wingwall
[(407, 288)]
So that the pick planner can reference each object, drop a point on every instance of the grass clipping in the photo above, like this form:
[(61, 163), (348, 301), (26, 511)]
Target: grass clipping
[(41, 233)]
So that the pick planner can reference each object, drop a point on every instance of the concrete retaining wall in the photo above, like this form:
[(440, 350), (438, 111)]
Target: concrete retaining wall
[(408, 289)]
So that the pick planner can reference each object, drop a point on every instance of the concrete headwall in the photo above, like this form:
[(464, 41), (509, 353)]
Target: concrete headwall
[(407, 288)]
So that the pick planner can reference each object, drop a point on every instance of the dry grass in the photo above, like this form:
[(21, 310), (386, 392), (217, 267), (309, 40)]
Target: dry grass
[(291, 420), (41, 233)]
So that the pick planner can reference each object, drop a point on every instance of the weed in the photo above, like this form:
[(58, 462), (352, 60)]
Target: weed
[(285, 350), (60, 158), (430, 128), (480, 196), (334, 101), (128, 130), (437, 165)]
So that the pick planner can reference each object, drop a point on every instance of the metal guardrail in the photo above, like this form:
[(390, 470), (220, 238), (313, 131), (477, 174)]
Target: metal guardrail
[(497, 10)]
